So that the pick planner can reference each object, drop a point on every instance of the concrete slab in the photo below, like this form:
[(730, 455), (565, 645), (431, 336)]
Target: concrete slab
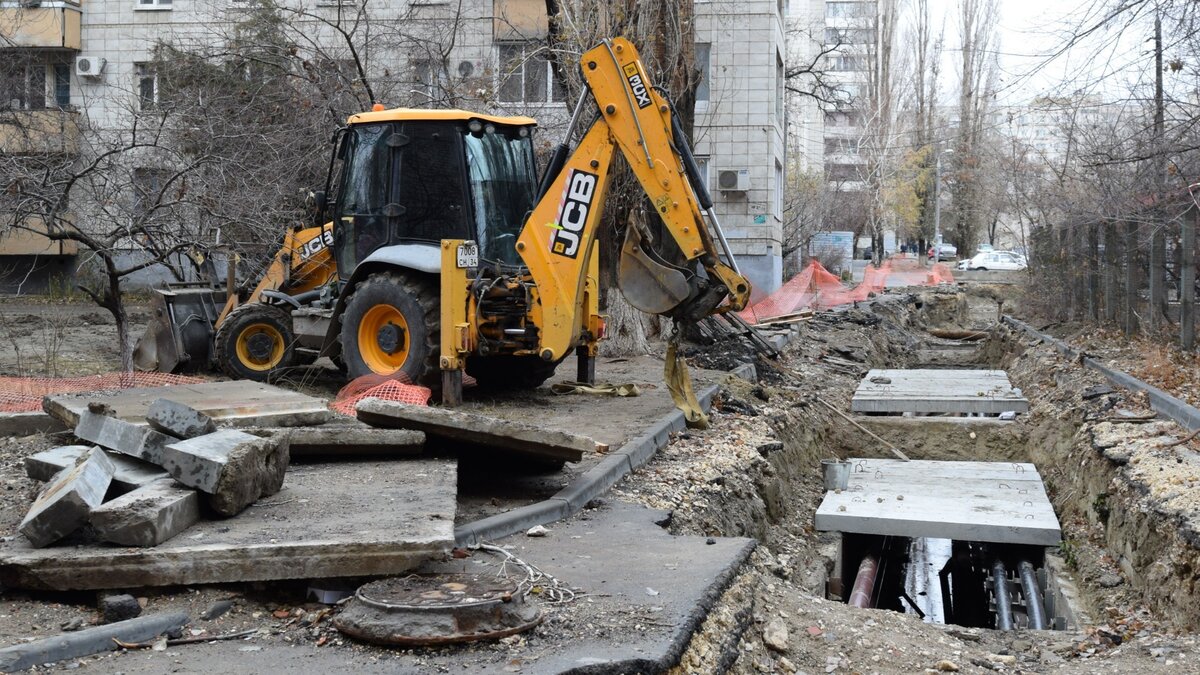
[(128, 474), (341, 519), (148, 516), (1003, 502), (330, 440), (629, 567), (454, 425), (238, 403), (234, 468), (178, 420), (122, 436), (64, 503), (937, 391), (28, 423)]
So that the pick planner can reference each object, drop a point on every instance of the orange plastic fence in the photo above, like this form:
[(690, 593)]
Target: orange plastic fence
[(24, 394), (390, 388), (816, 288)]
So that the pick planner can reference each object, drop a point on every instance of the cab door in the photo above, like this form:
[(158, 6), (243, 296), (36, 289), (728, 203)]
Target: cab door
[(364, 210)]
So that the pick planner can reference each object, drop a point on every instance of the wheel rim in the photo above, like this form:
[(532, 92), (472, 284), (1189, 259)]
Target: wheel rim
[(383, 339), (260, 347)]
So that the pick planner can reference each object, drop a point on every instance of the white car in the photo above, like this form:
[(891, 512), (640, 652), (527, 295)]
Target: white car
[(997, 260)]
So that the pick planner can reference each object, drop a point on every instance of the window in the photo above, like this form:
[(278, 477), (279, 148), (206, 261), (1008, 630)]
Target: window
[(703, 60), (148, 184), (849, 119), (702, 164), (780, 78), (778, 190), (23, 86), (841, 146), (848, 63), (62, 85), (842, 172), (429, 78), (153, 4), (527, 75), (847, 36), (844, 10), (146, 80)]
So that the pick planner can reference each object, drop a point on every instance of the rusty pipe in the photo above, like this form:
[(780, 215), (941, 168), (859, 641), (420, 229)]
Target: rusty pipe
[(864, 583)]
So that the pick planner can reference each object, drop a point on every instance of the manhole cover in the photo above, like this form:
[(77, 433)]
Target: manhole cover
[(442, 609)]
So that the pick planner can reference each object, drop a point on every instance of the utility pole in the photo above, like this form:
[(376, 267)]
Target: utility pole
[(1158, 237)]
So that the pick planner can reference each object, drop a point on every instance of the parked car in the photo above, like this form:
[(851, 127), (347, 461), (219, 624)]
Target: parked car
[(964, 264), (946, 251), (997, 260)]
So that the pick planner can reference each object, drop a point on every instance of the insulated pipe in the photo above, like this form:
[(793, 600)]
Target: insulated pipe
[(864, 583), (1004, 620), (1033, 596)]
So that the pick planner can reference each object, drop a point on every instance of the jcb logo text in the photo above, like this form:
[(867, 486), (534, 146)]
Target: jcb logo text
[(573, 214)]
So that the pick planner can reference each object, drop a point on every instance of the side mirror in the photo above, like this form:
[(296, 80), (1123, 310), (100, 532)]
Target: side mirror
[(317, 202)]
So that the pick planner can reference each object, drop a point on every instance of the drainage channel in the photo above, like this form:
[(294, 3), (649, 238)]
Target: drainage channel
[(953, 542)]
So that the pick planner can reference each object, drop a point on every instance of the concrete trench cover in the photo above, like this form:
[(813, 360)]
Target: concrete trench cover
[(438, 609)]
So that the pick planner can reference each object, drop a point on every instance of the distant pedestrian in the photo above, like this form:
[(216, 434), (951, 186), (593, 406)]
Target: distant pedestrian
[(933, 254)]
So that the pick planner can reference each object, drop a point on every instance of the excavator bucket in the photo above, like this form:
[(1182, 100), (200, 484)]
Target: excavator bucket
[(647, 282), (179, 335)]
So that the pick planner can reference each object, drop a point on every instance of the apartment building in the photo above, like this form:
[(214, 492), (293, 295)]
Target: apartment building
[(93, 62)]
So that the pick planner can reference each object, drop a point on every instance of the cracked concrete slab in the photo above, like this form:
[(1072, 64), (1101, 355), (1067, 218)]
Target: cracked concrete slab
[(342, 519)]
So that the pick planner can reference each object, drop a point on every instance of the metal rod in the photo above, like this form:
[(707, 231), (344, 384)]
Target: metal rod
[(864, 583), (716, 226), (575, 116), (947, 598), (1004, 620), (1033, 596)]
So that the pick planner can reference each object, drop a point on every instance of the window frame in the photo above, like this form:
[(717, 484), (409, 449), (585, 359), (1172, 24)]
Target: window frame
[(153, 5), (144, 71), (704, 85), (553, 89)]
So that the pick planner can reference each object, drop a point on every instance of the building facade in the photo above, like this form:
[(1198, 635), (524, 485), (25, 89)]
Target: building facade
[(91, 64)]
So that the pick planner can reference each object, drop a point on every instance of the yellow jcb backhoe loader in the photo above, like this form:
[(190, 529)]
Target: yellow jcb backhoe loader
[(438, 248)]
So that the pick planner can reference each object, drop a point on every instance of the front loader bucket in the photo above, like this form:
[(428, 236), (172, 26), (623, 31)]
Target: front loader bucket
[(179, 335)]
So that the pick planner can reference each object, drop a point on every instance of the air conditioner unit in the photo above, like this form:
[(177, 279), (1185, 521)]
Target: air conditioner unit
[(733, 180), (89, 66)]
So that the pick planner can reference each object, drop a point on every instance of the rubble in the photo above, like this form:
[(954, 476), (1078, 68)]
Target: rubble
[(178, 419), (128, 473), (121, 436), (119, 608), (148, 516), (233, 468), (65, 503)]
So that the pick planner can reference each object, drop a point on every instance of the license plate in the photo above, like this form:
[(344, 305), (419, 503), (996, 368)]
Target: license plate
[(468, 256)]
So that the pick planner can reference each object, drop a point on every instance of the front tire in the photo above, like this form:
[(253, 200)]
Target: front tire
[(255, 341), (390, 328)]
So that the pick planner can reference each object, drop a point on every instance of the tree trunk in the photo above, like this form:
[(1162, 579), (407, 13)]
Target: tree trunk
[(1111, 273), (1158, 278), (1092, 260), (1187, 279), (1131, 277)]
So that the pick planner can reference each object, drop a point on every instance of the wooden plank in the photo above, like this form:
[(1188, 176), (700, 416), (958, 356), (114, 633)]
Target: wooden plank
[(238, 403), (1001, 502), (464, 427)]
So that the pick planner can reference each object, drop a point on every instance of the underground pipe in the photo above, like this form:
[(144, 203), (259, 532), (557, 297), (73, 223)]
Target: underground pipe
[(864, 583), (1004, 619), (1033, 596)]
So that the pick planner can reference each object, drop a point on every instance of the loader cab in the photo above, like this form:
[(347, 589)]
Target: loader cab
[(415, 177)]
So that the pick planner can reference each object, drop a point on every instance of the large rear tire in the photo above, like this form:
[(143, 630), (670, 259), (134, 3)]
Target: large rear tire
[(390, 327), (255, 341)]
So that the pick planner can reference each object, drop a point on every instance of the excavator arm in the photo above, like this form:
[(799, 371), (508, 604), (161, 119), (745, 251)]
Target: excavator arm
[(556, 242)]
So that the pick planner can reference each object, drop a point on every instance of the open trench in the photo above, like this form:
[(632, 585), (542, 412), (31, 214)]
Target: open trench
[(1121, 547)]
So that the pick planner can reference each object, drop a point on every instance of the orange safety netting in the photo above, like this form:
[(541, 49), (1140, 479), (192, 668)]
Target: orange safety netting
[(24, 394), (388, 387), (816, 288)]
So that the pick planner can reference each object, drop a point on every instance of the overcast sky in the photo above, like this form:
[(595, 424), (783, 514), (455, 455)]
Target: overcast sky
[(1032, 31)]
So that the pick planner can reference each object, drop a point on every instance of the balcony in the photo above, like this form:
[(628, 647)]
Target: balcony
[(39, 132), (33, 241), (41, 27)]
